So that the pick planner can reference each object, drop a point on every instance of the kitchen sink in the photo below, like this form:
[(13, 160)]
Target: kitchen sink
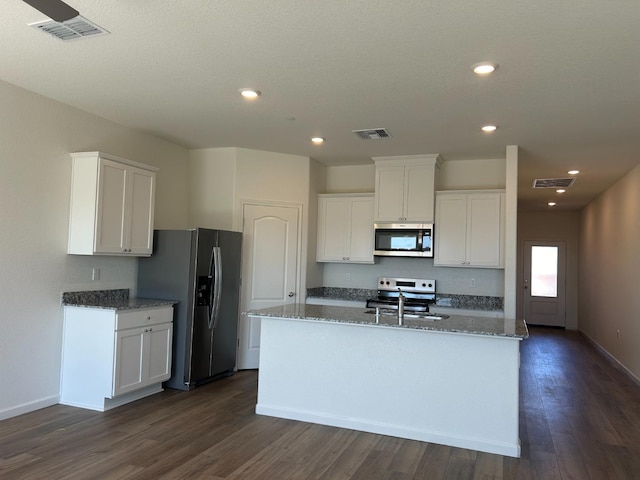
[(416, 316)]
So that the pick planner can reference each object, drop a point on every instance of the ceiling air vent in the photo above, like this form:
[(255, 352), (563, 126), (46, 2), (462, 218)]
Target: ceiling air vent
[(372, 133), (553, 182), (74, 29)]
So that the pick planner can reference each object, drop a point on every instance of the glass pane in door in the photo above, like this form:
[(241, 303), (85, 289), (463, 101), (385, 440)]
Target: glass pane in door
[(544, 271)]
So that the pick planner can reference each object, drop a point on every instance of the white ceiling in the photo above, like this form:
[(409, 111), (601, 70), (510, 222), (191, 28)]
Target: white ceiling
[(567, 90)]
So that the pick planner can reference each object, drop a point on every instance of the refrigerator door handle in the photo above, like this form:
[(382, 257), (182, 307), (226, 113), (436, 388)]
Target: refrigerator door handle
[(217, 284), (211, 287)]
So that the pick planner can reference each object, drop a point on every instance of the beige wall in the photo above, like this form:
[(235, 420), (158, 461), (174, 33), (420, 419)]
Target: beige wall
[(609, 265), (552, 226), (212, 185), (36, 137), (472, 174), (351, 179), (317, 184)]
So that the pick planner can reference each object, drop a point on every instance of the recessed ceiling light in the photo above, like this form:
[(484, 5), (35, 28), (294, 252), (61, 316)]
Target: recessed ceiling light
[(250, 93), (317, 140), (573, 172), (560, 190), (489, 128), (552, 204), (484, 68)]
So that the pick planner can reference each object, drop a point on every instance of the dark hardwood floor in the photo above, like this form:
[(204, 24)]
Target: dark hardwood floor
[(580, 419)]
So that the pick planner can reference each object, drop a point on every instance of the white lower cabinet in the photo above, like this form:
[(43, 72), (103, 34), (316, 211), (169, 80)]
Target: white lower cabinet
[(113, 357), (142, 357), (469, 229), (345, 228)]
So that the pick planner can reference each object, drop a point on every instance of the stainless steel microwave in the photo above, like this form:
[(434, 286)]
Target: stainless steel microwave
[(403, 239)]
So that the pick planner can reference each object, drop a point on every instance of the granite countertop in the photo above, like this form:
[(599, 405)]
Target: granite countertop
[(117, 299), (501, 327)]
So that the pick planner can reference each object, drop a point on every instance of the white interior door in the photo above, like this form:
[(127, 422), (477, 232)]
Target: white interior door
[(270, 246), (544, 283)]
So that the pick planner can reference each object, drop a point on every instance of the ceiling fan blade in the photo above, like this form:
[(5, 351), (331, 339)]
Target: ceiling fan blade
[(54, 9)]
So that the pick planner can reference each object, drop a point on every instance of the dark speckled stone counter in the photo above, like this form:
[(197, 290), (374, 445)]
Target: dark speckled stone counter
[(454, 324), (117, 299), (448, 300)]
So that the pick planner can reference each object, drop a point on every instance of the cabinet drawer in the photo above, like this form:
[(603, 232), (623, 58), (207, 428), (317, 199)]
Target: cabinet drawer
[(141, 318)]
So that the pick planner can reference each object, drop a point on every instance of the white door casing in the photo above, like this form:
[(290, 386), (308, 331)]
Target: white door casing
[(544, 308), (270, 274)]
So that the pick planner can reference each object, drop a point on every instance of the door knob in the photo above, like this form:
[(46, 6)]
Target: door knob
[(291, 294)]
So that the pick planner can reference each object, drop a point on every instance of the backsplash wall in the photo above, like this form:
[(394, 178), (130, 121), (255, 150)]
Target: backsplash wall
[(488, 281)]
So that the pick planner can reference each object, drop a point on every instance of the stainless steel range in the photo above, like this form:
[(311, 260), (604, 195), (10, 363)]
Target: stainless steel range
[(418, 293)]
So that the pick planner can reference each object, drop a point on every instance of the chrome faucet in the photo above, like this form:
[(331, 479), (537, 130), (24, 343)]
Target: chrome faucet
[(401, 299)]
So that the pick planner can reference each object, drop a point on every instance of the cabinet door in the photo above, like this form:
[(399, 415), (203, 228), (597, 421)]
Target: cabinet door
[(158, 344), (451, 230), (140, 211), (111, 205), (128, 368), (361, 234), (484, 230), (389, 197), (418, 193), (333, 229)]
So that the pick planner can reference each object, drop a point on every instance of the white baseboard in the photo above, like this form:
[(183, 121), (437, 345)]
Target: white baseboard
[(401, 431), (616, 363), (29, 407), (104, 404)]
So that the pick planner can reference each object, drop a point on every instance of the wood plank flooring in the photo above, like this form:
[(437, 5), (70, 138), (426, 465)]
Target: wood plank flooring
[(580, 419)]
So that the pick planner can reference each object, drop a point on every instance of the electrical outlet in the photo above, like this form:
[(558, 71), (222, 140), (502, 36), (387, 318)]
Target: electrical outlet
[(473, 283), (95, 274), (618, 334), (347, 277)]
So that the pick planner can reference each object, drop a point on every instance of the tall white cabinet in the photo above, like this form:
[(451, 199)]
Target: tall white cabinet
[(345, 228), (405, 188), (111, 357), (112, 206), (469, 229)]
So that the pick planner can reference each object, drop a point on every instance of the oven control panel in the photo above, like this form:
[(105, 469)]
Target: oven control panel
[(417, 285)]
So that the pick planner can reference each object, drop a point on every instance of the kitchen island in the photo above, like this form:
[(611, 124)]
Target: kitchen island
[(453, 381)]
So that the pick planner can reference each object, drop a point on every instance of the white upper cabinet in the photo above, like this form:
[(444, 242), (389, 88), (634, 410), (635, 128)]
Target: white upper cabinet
[(469, 229), (112, 206), (345, 228), (405, 188)]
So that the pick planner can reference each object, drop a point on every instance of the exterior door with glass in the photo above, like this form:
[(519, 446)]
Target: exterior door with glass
[(544, 294)]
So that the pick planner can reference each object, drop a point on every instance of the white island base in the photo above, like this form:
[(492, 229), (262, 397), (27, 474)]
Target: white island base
[(453, 388)]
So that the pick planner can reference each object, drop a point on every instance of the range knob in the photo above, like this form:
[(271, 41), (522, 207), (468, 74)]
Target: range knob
[(424, 285), (381, 282), (431, 285)]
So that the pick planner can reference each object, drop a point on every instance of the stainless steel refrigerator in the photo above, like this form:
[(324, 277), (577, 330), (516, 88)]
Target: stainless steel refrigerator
[(200, 269)]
